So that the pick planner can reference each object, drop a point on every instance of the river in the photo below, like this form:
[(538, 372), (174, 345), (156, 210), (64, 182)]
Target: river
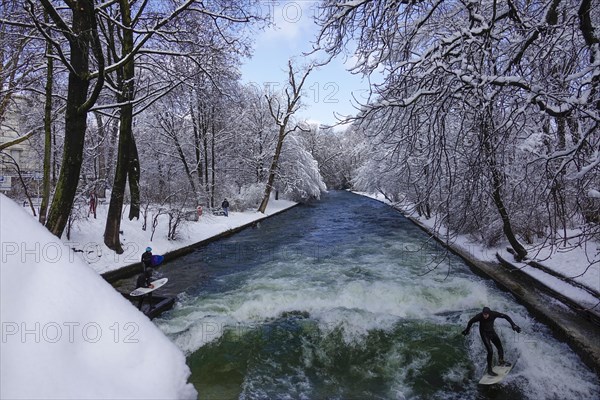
[(344, 298)]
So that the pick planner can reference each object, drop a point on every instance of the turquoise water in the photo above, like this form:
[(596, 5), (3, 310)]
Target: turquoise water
[(346, 299)]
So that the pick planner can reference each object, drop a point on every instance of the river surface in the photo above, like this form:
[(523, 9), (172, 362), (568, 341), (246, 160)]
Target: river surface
[(344, 298)]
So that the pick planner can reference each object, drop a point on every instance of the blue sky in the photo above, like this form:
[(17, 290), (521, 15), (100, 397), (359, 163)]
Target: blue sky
[(329, 89)]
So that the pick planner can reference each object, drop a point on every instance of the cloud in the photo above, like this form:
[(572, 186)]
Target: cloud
[(292, 20)]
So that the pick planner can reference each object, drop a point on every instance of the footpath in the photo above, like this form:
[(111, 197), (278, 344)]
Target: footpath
[(570, 309)]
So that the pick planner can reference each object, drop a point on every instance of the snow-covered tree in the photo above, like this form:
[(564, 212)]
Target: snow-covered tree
[(335, 154), (282, 108), (468, 88)]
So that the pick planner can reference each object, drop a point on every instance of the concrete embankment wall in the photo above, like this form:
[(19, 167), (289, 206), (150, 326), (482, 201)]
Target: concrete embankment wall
[(136, 268)]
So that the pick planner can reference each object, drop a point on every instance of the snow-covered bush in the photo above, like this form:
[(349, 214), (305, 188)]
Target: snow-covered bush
[(248, 198)]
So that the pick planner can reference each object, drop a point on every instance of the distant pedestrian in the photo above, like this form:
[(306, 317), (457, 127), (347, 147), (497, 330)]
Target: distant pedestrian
[(225, 206), (93, 204)]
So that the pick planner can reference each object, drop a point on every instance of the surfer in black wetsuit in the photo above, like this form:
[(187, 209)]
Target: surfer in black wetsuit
[(143, 281), (147, 258), (488, 335)]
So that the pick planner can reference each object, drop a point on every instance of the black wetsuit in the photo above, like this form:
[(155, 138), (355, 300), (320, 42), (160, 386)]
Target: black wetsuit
[(488, 334), (143, 281), (147, 260)]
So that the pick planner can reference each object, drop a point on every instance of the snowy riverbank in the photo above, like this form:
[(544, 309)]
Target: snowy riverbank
[(87, 235)]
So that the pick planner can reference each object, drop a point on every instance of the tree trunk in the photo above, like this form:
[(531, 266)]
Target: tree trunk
[(273, 169), (55, 165), (112, 147), (134, 178), (115, 208), (520, 251), (206, 182), (127, 163), (197, 152), (75, 118), (101, 148), (47, 132), (260, 167), (186, 166), (212, 164)]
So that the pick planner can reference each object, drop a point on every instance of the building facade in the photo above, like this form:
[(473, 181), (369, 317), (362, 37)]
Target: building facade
[(26, 155)]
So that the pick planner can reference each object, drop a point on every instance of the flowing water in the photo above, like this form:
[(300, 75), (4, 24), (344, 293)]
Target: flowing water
[(346, 299)]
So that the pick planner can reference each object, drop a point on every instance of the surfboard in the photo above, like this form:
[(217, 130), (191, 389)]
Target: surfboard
[(157, 260), (501, 371), (141, 291)]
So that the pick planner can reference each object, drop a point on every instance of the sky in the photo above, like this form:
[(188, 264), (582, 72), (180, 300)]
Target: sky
[(329, 90)]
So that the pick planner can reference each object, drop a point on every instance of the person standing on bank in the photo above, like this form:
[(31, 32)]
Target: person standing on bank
[(225, 206), (147, 258), (93, 204), (488, 335)]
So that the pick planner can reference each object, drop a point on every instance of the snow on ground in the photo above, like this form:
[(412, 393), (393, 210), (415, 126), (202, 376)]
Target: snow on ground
[(87, 234), (566, 263), (571, 263), (580, 296), (66, 333)]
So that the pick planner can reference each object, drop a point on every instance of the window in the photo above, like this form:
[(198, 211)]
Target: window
[(16, 154)]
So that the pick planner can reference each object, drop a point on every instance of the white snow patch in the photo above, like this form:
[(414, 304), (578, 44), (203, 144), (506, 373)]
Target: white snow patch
[(87, 235), (67, 334)]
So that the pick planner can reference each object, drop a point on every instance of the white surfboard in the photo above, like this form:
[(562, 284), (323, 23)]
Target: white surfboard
[(501, 371), (155, 285)]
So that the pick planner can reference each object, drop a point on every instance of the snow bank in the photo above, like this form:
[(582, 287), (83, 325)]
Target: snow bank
[(87, 234), (66, 333)]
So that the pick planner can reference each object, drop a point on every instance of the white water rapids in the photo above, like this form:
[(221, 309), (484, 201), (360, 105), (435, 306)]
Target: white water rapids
[(333, 300)]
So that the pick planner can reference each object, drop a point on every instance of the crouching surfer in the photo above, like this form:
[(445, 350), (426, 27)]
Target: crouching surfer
[(143, 281)]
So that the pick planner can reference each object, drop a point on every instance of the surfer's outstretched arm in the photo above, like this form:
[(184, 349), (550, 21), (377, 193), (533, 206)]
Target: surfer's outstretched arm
[(514, 326), (476, 318)]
